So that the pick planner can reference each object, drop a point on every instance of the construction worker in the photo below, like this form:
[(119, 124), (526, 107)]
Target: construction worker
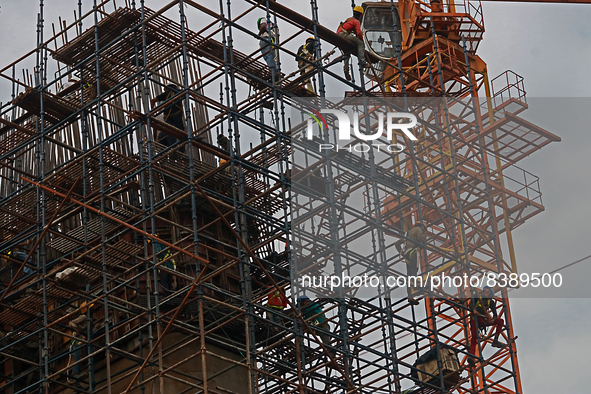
[(78, 329), (173, 114), (269, 39), (410, 248), (76, 345), (167, 281), (351, 30), (277, 302), (313, 313), (224, 144), (436, 6), (481, 318), (19, 256), (305, 57)]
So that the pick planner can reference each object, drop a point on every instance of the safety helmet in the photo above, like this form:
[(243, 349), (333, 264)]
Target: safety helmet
[(156, 235), (489, 288), (310, 39), (303, 298), (259, 22), (358, 9), (73, 78)]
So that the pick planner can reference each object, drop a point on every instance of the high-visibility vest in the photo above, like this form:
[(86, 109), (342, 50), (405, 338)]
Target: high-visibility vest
[(304, 53), (347, 32), (276, 300), (480, 303)]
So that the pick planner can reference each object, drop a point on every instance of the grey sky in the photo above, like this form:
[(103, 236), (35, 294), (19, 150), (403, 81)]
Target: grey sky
[(549, 46)]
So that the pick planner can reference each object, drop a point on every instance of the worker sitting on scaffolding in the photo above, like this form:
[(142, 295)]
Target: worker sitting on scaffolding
[(480, 305), (173, 114), (410, 248), (269, 39), (306, 57), (351, 30)]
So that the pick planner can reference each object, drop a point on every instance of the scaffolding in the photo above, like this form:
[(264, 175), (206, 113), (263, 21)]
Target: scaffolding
[(137, 263)]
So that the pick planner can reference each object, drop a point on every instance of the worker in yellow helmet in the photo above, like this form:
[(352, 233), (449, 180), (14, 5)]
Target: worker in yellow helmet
[(305, 57), (351, 30), (19, 256)]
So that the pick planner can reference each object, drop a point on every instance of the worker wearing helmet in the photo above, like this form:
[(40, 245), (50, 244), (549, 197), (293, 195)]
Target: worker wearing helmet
[(20, 257), (269, 39), (79, 331), (312, 312), (305, 57), (480, 305), (410, 248), (351, 30)]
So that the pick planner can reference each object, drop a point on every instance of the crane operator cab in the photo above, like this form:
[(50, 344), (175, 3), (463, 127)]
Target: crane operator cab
[(386, 36), (381, 29), (380, 25)]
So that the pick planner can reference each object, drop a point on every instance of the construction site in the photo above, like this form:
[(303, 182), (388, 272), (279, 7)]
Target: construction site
[(167, 178)]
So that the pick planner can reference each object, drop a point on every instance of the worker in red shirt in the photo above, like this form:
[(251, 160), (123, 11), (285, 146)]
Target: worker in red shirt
[(276, 302), (351, 30)]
